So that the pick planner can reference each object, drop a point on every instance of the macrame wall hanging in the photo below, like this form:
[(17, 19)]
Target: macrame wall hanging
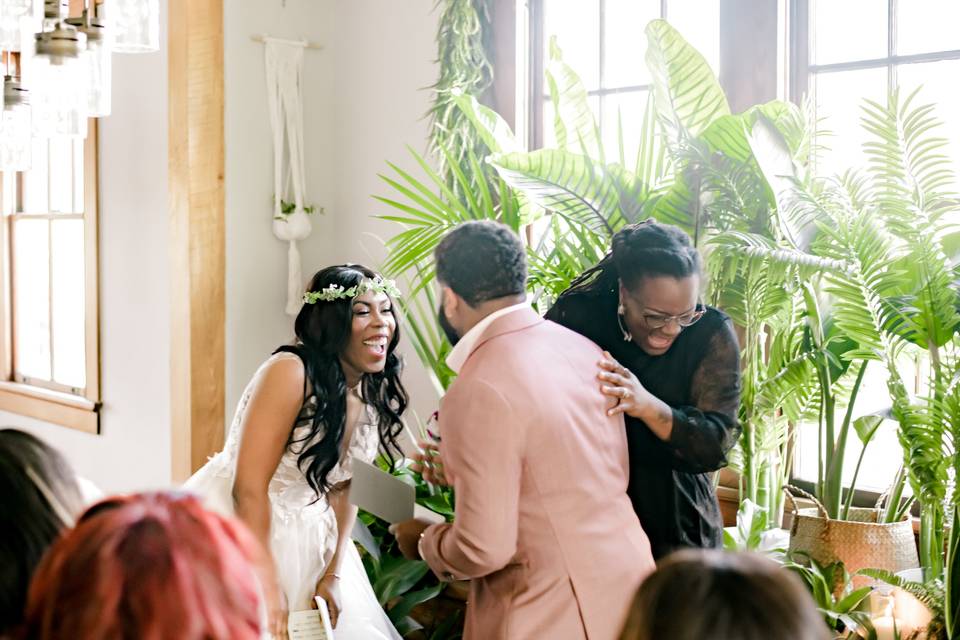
[(284, 64)]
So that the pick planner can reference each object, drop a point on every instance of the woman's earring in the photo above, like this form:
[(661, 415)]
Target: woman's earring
[(627, 336)]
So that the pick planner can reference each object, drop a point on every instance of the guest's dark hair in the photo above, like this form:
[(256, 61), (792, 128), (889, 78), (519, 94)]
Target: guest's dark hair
[(637, 251), (697, 594), (323, 330), (482, 260), (40, 499)]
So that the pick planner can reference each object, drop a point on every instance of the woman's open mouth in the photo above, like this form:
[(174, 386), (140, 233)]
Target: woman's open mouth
[(377, 346)]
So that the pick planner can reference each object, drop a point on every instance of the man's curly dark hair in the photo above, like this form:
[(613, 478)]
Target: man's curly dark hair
[(482, 260)]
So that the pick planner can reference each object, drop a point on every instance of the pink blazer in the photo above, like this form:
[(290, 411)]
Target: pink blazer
[(543, 528)]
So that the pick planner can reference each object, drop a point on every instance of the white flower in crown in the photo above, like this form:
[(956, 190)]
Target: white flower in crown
[(334, 292)]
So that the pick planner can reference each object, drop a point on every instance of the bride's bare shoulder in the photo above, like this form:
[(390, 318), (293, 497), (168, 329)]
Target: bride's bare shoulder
[(281, 369)]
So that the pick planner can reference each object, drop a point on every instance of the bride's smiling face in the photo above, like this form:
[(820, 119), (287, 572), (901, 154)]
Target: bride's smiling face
[(371, 336)]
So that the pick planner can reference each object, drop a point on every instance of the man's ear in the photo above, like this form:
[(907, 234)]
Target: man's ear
[(451, 302)]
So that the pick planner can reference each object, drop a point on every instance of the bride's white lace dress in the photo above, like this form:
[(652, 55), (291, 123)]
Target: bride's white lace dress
[(303, 532)]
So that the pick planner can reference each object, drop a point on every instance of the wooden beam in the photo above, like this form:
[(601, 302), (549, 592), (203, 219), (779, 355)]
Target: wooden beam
[(196, 150)]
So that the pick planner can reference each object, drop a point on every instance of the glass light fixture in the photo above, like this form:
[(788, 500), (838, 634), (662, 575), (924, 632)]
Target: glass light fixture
[(136, 25), (57, 74), (92, 23), (16, 15), (15, 129)]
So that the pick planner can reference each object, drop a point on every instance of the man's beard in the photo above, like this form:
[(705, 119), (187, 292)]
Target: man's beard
[(448, 329)]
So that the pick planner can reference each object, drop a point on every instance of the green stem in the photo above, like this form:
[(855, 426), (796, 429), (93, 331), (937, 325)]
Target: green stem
[(931, 539), (892, 511), (853, 484), (835, 466)]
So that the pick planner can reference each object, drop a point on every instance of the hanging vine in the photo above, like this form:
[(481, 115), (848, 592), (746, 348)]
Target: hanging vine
[(463, 37)]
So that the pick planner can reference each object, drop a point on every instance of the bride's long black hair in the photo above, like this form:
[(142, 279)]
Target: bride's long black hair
[(323, 330)]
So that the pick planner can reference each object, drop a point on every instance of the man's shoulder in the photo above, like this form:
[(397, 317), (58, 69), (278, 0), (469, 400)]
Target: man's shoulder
[(546, 332)]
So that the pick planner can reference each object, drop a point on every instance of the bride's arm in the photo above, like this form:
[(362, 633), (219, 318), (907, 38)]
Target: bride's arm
[(328, 587), (269, 416), (271, 411)]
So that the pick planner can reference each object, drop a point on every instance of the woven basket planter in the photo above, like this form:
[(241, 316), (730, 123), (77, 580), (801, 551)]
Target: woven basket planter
[(859, 542)]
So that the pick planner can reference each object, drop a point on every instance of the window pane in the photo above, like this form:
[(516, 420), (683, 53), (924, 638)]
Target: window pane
[(7, 202), (847, 30), (31, 293), (839, 99), (630, 107), (927, 25), (624, 45), (883, 456), (35, 181), (698, 21), (78, 146), (68, 302), (61, 175), (577, 27), (939, 80)]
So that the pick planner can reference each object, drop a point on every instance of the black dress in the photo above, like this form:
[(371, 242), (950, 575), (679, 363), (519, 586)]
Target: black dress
[(699, 377)]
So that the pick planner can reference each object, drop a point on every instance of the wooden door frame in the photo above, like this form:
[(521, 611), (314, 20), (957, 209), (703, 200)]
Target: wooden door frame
[(197, 240)]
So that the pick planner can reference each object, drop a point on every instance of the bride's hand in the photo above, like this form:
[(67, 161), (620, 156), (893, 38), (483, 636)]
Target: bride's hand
[(277, 613), (328, 588)]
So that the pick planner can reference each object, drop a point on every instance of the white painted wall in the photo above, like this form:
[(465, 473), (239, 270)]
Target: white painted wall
[(256, 261), (385, 55), (365, 101), (133, 449)]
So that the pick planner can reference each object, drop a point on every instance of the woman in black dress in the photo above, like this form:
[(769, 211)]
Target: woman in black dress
[(675, 368)]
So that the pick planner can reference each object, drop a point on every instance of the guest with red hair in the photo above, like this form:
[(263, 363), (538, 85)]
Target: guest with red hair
[(151, 566)]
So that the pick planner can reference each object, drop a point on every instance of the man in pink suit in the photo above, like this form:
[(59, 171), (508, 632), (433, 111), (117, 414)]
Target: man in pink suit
[(544, 528)]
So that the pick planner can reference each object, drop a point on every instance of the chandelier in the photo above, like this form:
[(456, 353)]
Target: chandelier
[(57, 66)]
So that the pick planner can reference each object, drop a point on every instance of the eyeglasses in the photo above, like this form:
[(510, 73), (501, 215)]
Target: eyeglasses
[(656, 321)]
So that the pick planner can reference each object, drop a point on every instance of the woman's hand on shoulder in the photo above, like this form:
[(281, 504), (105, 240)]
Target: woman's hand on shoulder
[(616, 381)]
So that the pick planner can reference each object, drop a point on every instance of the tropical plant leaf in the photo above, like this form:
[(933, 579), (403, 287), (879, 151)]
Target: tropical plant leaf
[(575, 127), (408, 601), (797, 224), (866, 427), (397, 576), (687, 93), (492, 129)]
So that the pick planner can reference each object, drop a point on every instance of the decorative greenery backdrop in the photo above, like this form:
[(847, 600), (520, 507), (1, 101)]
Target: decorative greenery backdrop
[(826, 276)]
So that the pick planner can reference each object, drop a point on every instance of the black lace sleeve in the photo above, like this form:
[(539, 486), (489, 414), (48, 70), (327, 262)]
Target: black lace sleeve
[(705, 432)]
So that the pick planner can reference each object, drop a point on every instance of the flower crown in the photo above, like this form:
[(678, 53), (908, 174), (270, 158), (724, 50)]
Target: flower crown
[(338, 292)]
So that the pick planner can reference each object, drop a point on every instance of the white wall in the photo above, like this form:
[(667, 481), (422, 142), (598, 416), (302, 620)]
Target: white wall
[(133, 449), (385, 55), (365, 100), (256, 261)]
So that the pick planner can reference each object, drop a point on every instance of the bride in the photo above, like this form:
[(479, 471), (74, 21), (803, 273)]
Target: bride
[(312, 408)]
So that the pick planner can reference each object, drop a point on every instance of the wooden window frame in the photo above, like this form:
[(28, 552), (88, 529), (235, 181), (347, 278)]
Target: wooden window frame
[(40, 399)]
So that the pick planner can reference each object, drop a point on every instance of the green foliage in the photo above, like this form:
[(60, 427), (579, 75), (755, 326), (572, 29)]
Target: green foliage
[(688, 95), (844, 607), (748, 534), (465, 69), (400, 584), (286, 208)]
